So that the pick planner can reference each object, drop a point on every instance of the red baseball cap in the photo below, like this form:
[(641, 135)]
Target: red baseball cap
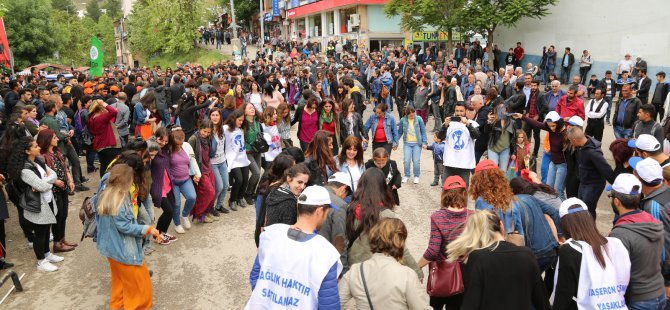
[(453, 182), (485, 165)]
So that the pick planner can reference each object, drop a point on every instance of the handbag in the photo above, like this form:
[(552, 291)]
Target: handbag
[(259, 145), (444, 279)]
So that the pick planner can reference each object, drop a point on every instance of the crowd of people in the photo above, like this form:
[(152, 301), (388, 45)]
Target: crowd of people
[(199, 142)]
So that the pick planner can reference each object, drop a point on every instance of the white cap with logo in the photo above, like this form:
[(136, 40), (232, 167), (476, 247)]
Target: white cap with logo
[(648, 169), (552, 116), (315, 196), (626, 183), (645, 142), (576, 121), (564, 209)]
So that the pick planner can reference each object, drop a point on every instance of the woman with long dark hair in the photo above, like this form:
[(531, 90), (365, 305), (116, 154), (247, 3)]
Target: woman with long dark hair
[(182, 168), (106, 140), (319, 158), (308, 118), (142, 114), (236, 158), (48, 143), (351, 123), (281, 201), (384, 129), (205, 190), (218, 160), (271, 97), (350, 160), (371, 202), (161, 188), (586, 250), (34, 181), (252, 130), (328, 121), (271, 179)]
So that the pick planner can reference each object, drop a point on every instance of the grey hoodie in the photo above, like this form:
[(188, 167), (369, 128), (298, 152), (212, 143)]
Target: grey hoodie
[(642, 236)]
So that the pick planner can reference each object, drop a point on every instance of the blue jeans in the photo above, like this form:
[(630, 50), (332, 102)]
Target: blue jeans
[(500, 158), (187, 189), (620, 132), (412, 153), (657, 303), (389, 100), (544, 167), (221, 177), (556, 177)]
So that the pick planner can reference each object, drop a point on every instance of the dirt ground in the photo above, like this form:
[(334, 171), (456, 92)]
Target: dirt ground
[(208, 267)]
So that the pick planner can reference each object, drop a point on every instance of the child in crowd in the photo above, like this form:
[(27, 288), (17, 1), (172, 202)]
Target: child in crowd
[(521, 156), (380, 159), (438, 167)]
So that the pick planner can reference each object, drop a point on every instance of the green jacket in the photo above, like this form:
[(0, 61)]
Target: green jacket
[(250, 136)]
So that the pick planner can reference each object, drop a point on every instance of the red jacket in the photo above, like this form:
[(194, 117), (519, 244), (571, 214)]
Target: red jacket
[(100, 126), (576, 107)]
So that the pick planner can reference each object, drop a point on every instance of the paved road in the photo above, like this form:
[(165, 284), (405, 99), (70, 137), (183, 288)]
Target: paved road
[(208, 267)]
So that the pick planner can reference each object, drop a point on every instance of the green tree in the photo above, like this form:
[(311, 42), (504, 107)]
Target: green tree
[(29, 32), (485, 16), (113, 8), (244, 9), (64, 5), (93, 10), (443, 15), (164, 26)]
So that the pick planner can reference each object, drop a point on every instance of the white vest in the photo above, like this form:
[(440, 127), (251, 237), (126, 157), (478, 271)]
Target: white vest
[(236, 153), (601, 288), (271, 136), (459, 148), (291, 271)]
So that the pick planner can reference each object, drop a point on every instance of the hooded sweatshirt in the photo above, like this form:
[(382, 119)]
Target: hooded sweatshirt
[(642, 236), (281, 207), (593, 167)]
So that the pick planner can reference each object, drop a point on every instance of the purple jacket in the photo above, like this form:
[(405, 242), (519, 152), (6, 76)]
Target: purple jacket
[(159, 165)]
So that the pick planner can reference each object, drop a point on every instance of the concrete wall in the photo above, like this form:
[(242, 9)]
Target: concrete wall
[(607, 28), (379, 22)]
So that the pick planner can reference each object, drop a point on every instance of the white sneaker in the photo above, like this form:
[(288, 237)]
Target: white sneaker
[(404, 180), (30, 245), (53, 258), (186, 222), (51, 237), (416, 180), (46, 266), (179, 229)]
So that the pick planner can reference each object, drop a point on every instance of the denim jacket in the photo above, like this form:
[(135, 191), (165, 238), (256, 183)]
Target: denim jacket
[(119, 237), (529, 221), (390, 128), (419, 129), (140, 114)]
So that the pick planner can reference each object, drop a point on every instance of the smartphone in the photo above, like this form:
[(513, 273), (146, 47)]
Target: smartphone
[(455, 118)]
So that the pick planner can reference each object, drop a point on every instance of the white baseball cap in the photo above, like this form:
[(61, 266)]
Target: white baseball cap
[(645, 142), (552, 117), (626, 183), (648, 169), (315, 196), (576, 121), (564, 209), (341, 177)]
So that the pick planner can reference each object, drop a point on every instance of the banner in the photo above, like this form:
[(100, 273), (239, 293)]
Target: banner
[(5, 59), (275, 7), (96, 57)]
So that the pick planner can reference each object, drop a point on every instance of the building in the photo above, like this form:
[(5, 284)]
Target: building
[(607, 29), (123, 54), (360, 21)]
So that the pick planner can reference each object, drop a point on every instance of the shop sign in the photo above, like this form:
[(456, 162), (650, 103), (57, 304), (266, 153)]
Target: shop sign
[(433, 36)]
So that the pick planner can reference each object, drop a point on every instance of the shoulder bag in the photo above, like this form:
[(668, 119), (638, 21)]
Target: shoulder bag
[(365, 286)]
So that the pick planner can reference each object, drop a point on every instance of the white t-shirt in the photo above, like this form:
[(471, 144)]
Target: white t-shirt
[(459, 148), (257, 101), (220, 155), (626, 65), (236, 152), (271, 136)]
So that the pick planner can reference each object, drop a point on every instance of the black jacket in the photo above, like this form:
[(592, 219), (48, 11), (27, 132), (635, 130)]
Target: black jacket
[(660, 93), (630, 115), (358, 128), (541, 105), (643, 90), (516, 103), (392, 174), (176, 91), (482, 118), (281, 207), (571, 59), (593, 167), (603, 86)]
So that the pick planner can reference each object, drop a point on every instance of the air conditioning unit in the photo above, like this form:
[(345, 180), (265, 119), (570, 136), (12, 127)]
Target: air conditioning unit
[(355, 20)]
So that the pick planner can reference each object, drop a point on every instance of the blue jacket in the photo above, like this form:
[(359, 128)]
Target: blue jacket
[(438, 151), (419, 129), (529, 221), (119, 237), (139, 114), (390, 127)]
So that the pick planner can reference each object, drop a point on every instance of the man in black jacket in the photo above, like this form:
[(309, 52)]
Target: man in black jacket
[(593, 168), (644, 85), (177, 89), (566, 65), (399, 91), (516, 103), (536, 109), (625, 113), (660, 93), (129, 88)]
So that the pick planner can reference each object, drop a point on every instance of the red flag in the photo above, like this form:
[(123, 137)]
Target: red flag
[(4, 46)]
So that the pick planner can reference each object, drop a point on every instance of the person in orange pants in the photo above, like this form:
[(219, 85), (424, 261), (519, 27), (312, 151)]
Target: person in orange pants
[(119, 238)]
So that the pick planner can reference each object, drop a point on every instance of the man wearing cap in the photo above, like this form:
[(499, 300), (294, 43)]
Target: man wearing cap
[(333, 229), (646, 124), (647, 146), (655, 201), (593, 168), (624, 114), (295, 266), (625, 64), (570, 104), (642, 235), (595, 112)]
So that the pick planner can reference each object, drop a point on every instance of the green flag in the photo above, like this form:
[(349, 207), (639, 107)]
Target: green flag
[(96, 57)]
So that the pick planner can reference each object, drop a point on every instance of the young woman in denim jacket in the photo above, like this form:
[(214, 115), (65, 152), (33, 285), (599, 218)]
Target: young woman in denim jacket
[(413, 132), (119, 238)]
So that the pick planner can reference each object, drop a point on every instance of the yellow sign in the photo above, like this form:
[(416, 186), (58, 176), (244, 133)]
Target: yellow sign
[(434, 36)]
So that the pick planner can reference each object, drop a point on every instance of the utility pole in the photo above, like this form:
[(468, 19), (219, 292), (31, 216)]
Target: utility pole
[(234, 24), (235, 42), (262, 21)]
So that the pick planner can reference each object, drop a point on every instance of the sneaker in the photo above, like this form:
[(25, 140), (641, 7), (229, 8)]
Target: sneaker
[(435, 183), (416, 180), (53, 258), (45, 266), (5, 264), (171, 237), (242, 203), (163, 240), (81, 188), (222, 210), (215, 213), (51, 237), (233, 206), (212, 218), (248, 200), (179, 229), (30, 245), (404, 180), (206, 219), (186, 222)]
